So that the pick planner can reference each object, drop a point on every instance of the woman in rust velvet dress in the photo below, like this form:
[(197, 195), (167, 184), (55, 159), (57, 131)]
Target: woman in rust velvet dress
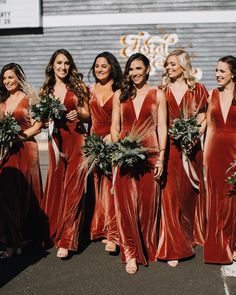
[(183, 198), (65, 183), (139, 106), (108, 75), (20, 179), (219, 153)]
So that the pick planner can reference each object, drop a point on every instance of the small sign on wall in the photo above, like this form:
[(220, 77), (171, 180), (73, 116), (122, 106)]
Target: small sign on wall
[(20, 14), (156, 48)]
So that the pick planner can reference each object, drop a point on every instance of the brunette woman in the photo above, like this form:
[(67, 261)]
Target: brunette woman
[(65, 180), (219, 154), (138, 106), (20, 179), (108, 75)]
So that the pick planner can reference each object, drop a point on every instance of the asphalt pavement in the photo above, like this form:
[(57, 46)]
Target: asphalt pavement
[(92, 271)]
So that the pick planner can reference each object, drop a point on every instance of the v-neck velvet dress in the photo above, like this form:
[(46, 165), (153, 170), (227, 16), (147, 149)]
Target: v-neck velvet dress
[(65, 182), (104, 219), (20, 186), (182, 207), (221, 198), (137, 192)]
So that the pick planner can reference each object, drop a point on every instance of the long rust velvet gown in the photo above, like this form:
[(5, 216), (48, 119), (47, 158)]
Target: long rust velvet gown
[(65, 182), (137, 192), (221, 205), (104, 219), (20, 186), (182, 207)]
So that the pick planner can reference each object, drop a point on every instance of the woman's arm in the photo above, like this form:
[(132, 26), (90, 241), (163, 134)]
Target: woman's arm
[(162, 131), (84, 112), (115, 122), (208, 127), (201, 119), (31, 131)]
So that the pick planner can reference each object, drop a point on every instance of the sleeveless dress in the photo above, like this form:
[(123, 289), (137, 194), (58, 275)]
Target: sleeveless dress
[(20, 186), (137, 191), (104, 219), (221, 199), (65, 182), (182, 206)]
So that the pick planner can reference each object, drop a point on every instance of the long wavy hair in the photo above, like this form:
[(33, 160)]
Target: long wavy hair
[(128, 90), (73, 81), (115, 73), (185, 63), (231, 61), (17, 69)]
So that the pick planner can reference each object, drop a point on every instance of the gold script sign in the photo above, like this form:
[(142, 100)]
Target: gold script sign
[(154, 47)]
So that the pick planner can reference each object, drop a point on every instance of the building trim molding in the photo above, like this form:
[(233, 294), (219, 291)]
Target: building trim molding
[(177, 17)]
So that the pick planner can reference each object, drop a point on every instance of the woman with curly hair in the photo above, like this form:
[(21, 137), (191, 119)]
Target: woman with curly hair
[(219, 154), (65, 182), (182, 204), (139, 107), (20, 178), (108, 76)]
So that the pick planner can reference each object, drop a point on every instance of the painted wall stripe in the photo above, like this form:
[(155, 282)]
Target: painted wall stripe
[(223, 16)]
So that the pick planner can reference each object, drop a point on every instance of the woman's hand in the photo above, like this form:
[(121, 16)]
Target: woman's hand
[(158, 169), (192, 144), (107, 138), (72, 115), (45, 123)]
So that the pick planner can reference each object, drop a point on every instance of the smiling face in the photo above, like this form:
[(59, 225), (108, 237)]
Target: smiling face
[(10, 81), (61, 66), (138, 72), (102, 69), (173, 67), (223, 74)]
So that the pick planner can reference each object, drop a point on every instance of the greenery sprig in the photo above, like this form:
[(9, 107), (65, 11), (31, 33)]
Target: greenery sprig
[(232, 178)]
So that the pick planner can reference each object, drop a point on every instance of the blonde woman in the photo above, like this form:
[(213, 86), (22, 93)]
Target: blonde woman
[(181, 228)]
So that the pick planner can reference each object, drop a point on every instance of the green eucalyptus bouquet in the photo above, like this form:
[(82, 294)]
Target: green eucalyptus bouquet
[(97, 154), (9, 130), (47, 108), (231, 180), (185, 131), (127, 152)]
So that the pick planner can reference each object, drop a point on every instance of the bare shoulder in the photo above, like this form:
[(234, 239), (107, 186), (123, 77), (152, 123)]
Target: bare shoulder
[(85, 87), (210, 95), (160, 95), (117, 95)]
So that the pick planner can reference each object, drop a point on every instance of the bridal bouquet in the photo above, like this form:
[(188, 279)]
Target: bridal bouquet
[(9, 129), (47, 108), (232, 178), (184, 131), (127, 152), (97, 154), (130, 151)]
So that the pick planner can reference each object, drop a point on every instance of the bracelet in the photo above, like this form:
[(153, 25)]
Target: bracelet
[(162, 150)]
